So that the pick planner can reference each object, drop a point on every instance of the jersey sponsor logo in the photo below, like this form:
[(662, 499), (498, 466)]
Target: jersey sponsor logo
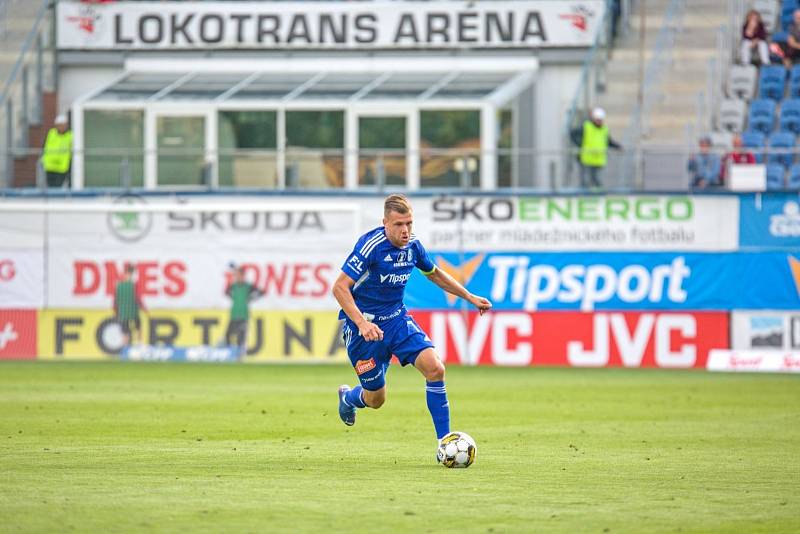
[(356, 264), (395, 278), (363, 366)]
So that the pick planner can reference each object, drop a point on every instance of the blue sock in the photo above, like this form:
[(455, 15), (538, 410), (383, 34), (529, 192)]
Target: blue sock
[(436, 396), (354, 397)]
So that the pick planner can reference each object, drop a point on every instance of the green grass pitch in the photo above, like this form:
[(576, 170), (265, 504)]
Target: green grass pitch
[(181, 447)]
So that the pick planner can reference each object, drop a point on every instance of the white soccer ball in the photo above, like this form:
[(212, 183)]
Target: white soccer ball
[(456, 449)]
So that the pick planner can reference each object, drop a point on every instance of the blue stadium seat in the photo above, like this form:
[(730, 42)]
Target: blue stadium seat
[(781, 141), (762, 115), (775, 173), (794, 82), (755, 142), (794, 178), (786, 17), (771, 82), (780, 37), (790, 116)]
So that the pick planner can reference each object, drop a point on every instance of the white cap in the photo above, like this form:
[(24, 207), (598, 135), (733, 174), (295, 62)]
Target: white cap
[(598, 114), (61, 119)]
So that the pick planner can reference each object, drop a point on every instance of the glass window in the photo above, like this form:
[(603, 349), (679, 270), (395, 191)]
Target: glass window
[(315, 149), (181, 150), (505, 141), (114, 148), (450, 148), (247, 142), (382, 151)]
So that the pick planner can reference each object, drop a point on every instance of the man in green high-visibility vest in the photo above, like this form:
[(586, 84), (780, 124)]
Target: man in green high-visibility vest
[(57, 153), (241, 293), (594, 141)]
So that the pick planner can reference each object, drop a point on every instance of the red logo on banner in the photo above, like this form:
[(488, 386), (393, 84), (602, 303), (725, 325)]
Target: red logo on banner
[(577, 339), (7, 270), (17, 334)]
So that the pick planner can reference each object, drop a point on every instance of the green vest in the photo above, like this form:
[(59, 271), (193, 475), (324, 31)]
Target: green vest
[(594, 145), (57, 151), (240, 299), (127, 307)]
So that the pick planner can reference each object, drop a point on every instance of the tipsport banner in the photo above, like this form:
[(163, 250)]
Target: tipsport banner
[(275, 336), (618, 281)]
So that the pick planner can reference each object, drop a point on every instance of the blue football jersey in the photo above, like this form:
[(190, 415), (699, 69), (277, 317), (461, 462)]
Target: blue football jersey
[(381, 271)]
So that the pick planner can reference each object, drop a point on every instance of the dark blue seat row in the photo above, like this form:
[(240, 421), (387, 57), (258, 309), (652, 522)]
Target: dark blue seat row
[(777, 178), (779, 142)]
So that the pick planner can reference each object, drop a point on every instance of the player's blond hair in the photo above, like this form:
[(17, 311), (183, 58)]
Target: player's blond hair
[(397, 203)]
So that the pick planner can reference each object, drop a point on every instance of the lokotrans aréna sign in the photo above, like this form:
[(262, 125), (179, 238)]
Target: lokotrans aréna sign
[(618, 281), (608, 223), (575, 339), (328, 25)]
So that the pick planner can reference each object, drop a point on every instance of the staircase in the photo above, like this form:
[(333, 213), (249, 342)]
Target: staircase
[(685, 76)]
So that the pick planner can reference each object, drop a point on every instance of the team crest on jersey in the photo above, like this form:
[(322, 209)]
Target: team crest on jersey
[(363, 366)]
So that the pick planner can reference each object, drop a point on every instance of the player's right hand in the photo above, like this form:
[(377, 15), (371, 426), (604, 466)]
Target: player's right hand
[(370, 331)]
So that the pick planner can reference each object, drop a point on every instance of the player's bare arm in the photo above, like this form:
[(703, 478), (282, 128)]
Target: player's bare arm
[(452, 286), (342, 292)]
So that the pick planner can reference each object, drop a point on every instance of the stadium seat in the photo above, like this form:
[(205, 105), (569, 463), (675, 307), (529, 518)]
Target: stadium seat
[(780, 37), (793, 182), (762, 115), (775, 173), (786, 16), (772, 79), (742, 81), (781, 141), (731, 115), (755, 142), (721, 139), (790, 116)]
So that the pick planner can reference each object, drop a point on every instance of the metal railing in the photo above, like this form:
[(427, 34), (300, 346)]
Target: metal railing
[(665, 168), (21, 101)]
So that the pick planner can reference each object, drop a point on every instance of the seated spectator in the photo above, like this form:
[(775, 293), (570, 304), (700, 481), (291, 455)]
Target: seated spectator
[(705, 166), (737, 156), (754, 35), (792, 52)]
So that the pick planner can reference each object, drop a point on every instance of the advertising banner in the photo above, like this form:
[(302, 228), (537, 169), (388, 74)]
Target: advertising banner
[(289, 336), (618, 281), (17, 334), (329, 25), (763, 361), (572, 223), (669, 340), (770, 221), (22, 278), (765, 330)]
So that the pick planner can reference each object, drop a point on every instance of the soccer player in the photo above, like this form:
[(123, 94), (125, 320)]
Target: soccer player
[(240, 293), (127, 303), (376, 323)]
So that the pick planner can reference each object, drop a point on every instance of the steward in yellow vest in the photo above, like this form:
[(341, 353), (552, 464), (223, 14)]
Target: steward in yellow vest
[(594, 141), (57, 153)]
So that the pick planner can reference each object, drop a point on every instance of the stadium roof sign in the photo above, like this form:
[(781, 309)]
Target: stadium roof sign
[(328, 25)]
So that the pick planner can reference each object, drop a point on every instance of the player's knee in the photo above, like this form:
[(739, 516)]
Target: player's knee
[(435, 373)]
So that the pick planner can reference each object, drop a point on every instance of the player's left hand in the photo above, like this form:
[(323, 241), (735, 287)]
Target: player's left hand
[(483, 304)]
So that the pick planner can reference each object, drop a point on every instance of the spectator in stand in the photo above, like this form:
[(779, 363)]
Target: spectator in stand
[(737, 156), (705, 166), (754, 35), (57, 153), (792, 51), (594, 141)]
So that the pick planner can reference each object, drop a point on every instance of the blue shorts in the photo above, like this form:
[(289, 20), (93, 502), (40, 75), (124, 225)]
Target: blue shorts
[(402, 337)]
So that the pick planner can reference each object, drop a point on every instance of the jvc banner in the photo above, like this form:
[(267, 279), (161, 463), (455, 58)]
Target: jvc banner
[(770, 221), (576, 339), (619, 281)]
